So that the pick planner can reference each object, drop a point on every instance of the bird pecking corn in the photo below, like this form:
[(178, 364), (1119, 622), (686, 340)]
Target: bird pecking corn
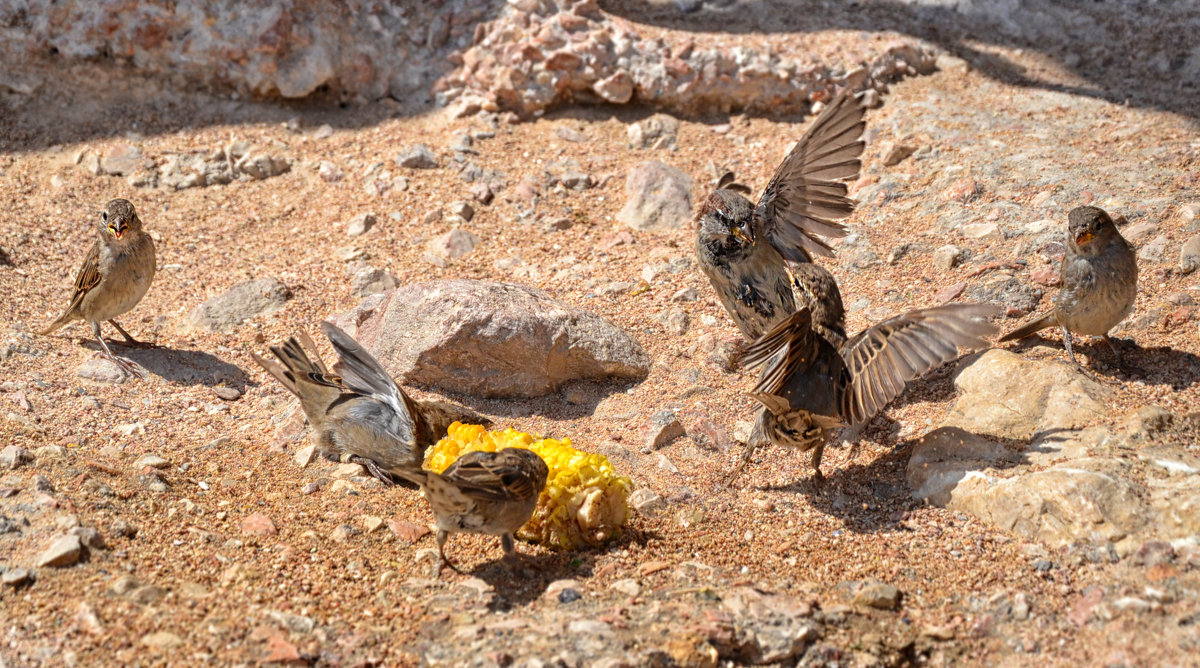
[(584, 502)]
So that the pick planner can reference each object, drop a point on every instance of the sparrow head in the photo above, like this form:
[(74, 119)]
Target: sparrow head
[(783, 426), (724, 221), (119, 220), (1089, 229)]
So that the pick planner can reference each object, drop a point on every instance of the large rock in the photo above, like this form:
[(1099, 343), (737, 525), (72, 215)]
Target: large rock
[(246, 300), (659, 197), (491, 339), (1025, 449)]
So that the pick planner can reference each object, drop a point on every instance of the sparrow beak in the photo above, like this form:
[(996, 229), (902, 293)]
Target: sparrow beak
[(1084, 237), (117, 228), (740, 235)]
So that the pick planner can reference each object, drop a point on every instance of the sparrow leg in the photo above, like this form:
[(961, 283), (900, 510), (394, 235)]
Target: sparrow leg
[(747, 453), (374, 469), (129, 340), (125, 365), (816, 462), (1067, 342), (441, 543)]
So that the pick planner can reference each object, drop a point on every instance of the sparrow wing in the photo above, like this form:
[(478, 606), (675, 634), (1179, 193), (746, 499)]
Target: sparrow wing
[(512, 474), (883, 358), (790, 348), (807, 194), (88, 276), (362, 373)]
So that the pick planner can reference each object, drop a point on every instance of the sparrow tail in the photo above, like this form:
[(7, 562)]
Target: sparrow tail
[(1044, 321), (57, 324)]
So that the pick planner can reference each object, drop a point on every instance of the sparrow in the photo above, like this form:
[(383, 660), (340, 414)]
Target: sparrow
[(1099, 282), (115, 275), (358, 410), (818, 380), (745, 250), (491, 493)]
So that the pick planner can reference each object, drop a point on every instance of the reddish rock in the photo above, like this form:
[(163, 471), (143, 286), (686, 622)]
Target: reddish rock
[(257, 524), (1082, 611), (949, 293), (1048, 276), (962, 190), (407, 531)]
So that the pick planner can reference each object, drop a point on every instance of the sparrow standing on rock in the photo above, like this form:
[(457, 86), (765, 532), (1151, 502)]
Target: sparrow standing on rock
[(359, 410), (115, 275), (1099, 281), (745, 250), (491, 493), (819, 380)]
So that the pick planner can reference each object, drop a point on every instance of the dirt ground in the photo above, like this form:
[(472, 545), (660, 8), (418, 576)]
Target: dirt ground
[(370, 592)]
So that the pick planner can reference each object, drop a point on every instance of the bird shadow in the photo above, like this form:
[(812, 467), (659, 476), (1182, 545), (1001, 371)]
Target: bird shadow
[(872, 497), (185, 367), (1159, 365), (573, 401), (521, 584)]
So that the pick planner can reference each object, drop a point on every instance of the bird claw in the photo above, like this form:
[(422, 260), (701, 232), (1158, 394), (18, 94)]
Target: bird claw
[(746, 455), (126, 366), (375, 470)]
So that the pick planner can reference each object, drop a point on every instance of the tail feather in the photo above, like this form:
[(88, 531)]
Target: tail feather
[(1040, 323), (62, 320)]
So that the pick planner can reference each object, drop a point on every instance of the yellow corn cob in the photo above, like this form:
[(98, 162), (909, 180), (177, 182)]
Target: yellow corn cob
[(584, 502)]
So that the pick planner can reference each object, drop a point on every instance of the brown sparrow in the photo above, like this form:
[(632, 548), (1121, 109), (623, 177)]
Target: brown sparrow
[(745, 249), (1099, 281), (115, 275), (819, 380), (359, 410), (491, 493)]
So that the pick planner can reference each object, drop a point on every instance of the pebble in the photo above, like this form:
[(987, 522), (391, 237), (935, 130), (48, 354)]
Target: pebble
[(1154, 251), (310, 488), (980, 231), (64, 551), (664, 427), (153, 461), (329, 172), (1136, 234), (675, 321), (305, 455), (15, 577), (121, 527), (14, 456), (878, 595), (407, 531), (1154, 552), (961, 190), (257, 524), (1189, 255), (453, 244), (1048, 276), (897, 153), (371, 523), (343, 532), (947, 257), (418, 156), (646, 502), (689, 295), (360, 224), (101, 370), (627, 586), (161, 640)]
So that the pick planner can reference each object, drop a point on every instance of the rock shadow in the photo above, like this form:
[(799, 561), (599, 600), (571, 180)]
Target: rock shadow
[(575, 400), (1160, 365)]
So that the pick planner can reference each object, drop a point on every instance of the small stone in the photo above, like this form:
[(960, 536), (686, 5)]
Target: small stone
[(329, 172), (343, 532), (101, 370), (646, 502), (664, 427), (462, 209), (628, 586), (1048, 276), (305, 455), (154, 482), (123, 584), (1154, 251), (14, 456), (416, 157), (15, 577), (227, 393), (878, 595), (147, 595), (257, 524), (121, 527), (371, 523), (310, 488), (685, 295), (948, 63), (360, 224), (90, 538), (947, 257), (153, 461), (1154, 552), (64, 551), (1189, 255), (454, 244), (675, 321), (938, 632), (897, 153), (348, 470), (161, 640), (617, 88), (980, 230), (961, 190), (1136, 234), (407, 531)]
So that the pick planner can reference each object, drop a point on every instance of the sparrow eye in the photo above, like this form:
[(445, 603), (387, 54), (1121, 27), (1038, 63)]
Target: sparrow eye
[(104, 216)]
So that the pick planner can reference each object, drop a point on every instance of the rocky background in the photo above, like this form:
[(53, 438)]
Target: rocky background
[(515, 181)]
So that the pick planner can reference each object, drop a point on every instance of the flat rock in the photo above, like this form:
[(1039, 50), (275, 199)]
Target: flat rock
[(257, 524), (947, 257), (453, 244), (658, 197), (14, 456), (246, 300), (1026, 448), (491, 339), (101, 370), (64, 551), (418, 156)]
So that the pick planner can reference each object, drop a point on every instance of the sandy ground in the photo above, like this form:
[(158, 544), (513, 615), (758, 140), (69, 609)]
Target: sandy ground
[(774, 529)]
